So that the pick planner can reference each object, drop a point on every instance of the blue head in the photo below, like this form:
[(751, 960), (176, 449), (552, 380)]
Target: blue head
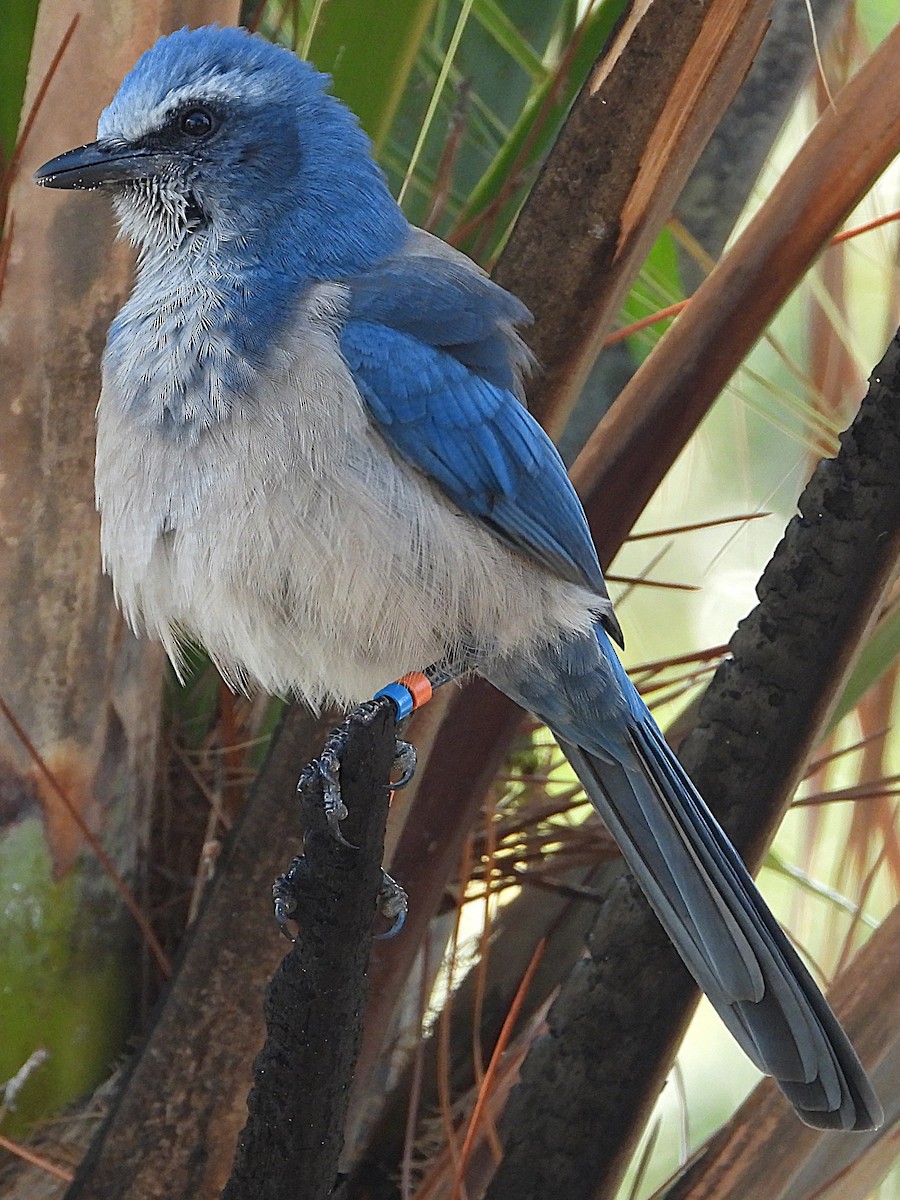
[(243, 181), (217, 136)]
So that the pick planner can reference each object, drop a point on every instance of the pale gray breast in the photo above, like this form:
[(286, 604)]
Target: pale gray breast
[(290, 541)]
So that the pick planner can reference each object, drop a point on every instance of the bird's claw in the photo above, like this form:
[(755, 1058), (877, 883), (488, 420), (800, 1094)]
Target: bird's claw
[(326, 769), (393, 903), (405, 759), (284, 896)]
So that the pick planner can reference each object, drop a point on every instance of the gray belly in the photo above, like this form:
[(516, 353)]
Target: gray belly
[(302, 554)]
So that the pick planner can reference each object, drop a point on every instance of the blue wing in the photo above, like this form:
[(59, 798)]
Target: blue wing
[(447, 302), (433, 354)]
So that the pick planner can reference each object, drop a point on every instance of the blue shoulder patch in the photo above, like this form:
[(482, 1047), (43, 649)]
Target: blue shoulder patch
[(473, 438), (448, 304)]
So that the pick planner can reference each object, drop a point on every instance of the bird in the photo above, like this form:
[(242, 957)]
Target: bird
[(314, 459)]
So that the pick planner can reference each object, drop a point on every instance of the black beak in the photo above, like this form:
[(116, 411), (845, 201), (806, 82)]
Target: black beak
[(97, 163)]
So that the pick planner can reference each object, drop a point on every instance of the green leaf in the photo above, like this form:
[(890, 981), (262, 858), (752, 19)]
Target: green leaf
[(657, 286), (19, 17), (507, 36), (879, 653), (369, 51), (492, 75)]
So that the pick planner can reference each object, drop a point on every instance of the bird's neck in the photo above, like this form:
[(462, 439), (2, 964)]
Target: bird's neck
[(199, 325)]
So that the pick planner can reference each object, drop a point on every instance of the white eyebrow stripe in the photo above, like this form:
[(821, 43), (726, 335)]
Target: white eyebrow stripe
[(133, 120)]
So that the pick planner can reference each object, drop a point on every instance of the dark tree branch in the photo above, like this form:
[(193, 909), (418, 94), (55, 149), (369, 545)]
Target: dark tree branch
[(292, 1141), (446, 805), (588, 1086)]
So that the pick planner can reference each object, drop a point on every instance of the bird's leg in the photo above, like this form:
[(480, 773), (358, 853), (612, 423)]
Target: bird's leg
[(405, 695)]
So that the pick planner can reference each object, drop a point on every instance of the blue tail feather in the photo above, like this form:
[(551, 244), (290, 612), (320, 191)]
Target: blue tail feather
[(694, 879)]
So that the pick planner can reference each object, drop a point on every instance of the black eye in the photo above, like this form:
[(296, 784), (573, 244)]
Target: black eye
[(196, 122)]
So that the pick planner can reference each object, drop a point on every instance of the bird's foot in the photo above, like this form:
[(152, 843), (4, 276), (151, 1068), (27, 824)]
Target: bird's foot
[(393, 904), (405, 760), (288, 890), (326, 769), (324, 772)]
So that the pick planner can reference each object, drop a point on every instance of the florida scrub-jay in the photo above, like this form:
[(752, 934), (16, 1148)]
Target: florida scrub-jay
[(313, 458)]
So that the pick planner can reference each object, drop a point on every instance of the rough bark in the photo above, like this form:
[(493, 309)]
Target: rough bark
[(614, 174), (292, 1141), (448, 797)]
